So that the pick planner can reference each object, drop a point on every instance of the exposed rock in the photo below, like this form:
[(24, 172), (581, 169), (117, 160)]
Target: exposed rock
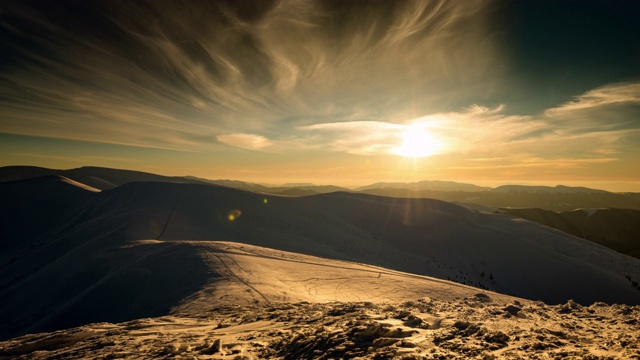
[(482, 297), (512, 310), (497, 337)]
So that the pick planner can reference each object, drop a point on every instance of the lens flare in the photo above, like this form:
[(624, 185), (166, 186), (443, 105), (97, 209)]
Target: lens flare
[(233, 215)]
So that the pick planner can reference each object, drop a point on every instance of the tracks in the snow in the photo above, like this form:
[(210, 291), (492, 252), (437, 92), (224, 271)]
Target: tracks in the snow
[(232, 273)]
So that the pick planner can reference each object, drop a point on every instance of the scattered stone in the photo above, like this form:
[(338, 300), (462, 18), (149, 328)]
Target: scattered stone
[(497, 337), (214, 348), (569, 307), (382, 342), (174, 349), (384, 331), (406, 344), (414, 322), (560, 334), (512, 310), (466, 328), (482, 297), (495, 311)]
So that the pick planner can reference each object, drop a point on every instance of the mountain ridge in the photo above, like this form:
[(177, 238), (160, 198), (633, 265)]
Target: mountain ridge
[(547, 189), (437, 185), (112, 255)]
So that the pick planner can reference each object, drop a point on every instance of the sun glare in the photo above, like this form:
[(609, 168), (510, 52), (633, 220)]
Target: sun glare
[(417, 142)]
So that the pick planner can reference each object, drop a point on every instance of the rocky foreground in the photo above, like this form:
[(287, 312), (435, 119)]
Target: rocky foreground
[(473, 327)]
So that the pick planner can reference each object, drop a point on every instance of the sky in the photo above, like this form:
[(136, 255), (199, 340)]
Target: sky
[(328, 92)]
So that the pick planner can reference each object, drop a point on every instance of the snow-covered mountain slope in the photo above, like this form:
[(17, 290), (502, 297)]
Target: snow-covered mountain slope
[(97, 177), (421, 236), (151, 277), (265, 303), (613, 228), (92, 267), (31, 207), (250, 274)]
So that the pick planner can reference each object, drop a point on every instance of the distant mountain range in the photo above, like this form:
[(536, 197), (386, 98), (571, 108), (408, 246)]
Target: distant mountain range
[(106, 178), (558, 198), (554, 201), (232, 184), (558, 189), (434, 185), (614, 228)]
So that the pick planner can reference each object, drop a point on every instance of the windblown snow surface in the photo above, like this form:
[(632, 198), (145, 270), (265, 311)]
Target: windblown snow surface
[(264, 303), (166, 270)]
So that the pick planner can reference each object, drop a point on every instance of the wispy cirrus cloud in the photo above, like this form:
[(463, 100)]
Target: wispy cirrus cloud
[(357, 137), (478, 136), (332, 77), (246, 141), (160, 74), (613, 94)]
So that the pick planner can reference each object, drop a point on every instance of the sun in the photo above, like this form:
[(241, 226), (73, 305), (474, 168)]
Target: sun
[(417, 142)]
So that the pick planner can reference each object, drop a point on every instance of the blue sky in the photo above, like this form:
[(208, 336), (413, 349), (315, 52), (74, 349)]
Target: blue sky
[(342, 92)]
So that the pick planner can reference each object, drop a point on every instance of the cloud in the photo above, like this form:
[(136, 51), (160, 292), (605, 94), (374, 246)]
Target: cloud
[(455, 131), (476, 133), (160, 74), (609, 108), (613, 94), (600, 121), (246, 141), (534, 162), (81, 158), (357, 137), (486, 138), (292, 76)]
